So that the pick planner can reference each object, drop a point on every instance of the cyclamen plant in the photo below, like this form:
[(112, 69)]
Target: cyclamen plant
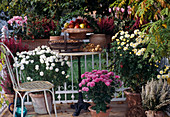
[(100, 85), (43, 64)]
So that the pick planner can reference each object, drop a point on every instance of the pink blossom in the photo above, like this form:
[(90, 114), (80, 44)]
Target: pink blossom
[(117, 8), (129, 12), (110, 74), (82, 75), (5, 27), (129, 7), (99, 72), (97, 80), (122, 10), (16, 18), (107, 83), (86, 72), (117, 76), (83, 82), (17, 21), (85, 89), (88, 80), (92, 84), (80, 90), (10, 22), (110, 10), (25, 18), (94, 70), (88, 84), (104, 80), (80, 85), (105, 71), (110, 80)]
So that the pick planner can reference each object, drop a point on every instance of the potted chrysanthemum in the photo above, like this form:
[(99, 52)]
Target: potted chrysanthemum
[(99, 86), (130, 62), (43, 64)]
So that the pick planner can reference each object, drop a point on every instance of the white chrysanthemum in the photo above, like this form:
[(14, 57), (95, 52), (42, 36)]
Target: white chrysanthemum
[(158, 76), (53, 64), (152, 55), (134, 45), (122, 33), (127, 45), (22, 67), (135, 50), (17, 53), (127, 35), (63, 72), (36, 67), (32, 61), (28, 78), (125, 48), (51, 59), (62, 63), (47, 68), (51, 68), (138, 53), (56, 60), (66, 58), (56, 69), (126, 32), (132, 35), (41, 61), (67, 76), (114, 37), (123, 43), (16, 58), (41, 73), (61, 60), (121, 37), (42, 46), (136, 31), (131, 44), (27, 57), (161, 72), (119, 48), (26, 62), (139, 32), (68, 63)]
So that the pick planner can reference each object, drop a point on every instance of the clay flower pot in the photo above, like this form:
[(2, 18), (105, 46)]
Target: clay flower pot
[(133, 99), (101, 114), (151, 113), (54, 38), (98, 39), (39, 103)]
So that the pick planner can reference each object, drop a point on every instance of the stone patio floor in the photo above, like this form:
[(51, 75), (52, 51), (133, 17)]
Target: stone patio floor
[(119, 109)]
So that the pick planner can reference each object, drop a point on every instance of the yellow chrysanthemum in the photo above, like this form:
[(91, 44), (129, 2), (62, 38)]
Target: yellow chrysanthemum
[(118, 43), (117, 39), (130, 52), (127, 41), (124, 39), (119, 47), (163, 76), (120, 54)]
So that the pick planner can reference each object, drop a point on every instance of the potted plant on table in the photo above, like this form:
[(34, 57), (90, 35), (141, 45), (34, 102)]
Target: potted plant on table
[(43, 64), (103, 32), (155, 97), (129, 62), (99, 86)]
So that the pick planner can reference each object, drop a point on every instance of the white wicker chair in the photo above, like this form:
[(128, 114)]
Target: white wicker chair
[(26, 87)]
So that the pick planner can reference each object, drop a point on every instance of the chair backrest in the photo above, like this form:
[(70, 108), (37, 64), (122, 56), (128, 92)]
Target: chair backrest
[(5, 54)]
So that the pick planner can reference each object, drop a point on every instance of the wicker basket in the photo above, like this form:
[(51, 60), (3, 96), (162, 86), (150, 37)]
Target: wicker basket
[(78, 33)]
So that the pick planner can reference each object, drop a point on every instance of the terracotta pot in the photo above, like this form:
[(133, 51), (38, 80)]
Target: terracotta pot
[(39, 104), (151, 113), (100, 114), (133, 99), (53, 38), (10, 99), (159, 114), (77, 35), (98, 39)]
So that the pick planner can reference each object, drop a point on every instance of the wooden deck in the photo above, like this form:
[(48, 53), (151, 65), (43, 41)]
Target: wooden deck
[(63, 110)]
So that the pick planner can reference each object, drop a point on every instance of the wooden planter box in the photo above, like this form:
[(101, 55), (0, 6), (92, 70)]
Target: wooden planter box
[(32, 44)]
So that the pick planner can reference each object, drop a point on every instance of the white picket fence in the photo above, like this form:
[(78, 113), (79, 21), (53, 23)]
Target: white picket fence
[(68, 93)]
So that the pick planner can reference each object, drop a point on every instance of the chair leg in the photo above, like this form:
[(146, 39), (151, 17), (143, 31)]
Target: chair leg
[(46, 101), (53, 93), (22, 106), (15, 103)]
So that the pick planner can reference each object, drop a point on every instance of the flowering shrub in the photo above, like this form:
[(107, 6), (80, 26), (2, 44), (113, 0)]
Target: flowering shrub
[(164, 73), (43, 64), (129, 61), (99, 85), (18, 23), (42, 28)]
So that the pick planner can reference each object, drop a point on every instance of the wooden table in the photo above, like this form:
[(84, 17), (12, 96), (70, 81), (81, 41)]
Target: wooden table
[(80, 104)]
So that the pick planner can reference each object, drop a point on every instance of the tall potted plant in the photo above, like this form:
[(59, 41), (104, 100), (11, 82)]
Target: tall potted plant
[(99, 86), (43, 64), (129, 62), (103, 32)]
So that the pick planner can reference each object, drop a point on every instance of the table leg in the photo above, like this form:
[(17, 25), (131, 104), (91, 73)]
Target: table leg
[(81, 104)]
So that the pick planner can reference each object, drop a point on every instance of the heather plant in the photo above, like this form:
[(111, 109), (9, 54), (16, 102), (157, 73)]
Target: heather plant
[(99, 86), (155, 94)]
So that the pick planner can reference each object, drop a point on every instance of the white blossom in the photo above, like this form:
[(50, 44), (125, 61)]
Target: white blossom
[(56, 69), (62, 63), (51, 68), (22, 67), (66, 58), (63, 72), (36, 67), (53, 64), (67, 76), (41, 73), (28, 78)]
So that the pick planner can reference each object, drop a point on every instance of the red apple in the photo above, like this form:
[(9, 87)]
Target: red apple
[(88, 26), (77, 26), (71, 25), (71, 22)]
